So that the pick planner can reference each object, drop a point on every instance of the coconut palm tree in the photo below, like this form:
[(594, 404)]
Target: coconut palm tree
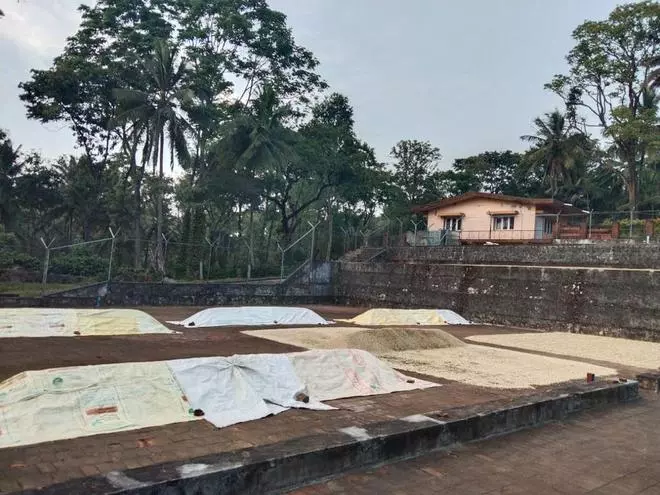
[(10, 168), (557, 146), (158, 106)]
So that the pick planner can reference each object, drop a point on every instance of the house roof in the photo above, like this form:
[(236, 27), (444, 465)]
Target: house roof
[(551, 205)]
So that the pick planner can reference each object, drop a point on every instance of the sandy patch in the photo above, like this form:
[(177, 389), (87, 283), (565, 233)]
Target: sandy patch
[(633, 353), (451, 359), (490, 367), (308, 338), (376, 341)]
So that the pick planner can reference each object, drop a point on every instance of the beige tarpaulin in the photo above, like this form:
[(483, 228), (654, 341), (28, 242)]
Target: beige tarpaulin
[(429, 317), (39, 406), (61, 403), (53, 322)]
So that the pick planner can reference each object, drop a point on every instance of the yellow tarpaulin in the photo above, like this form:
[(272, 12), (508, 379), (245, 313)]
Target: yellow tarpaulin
[(429, 317), (40, 406), (61, 403), (53, 322)]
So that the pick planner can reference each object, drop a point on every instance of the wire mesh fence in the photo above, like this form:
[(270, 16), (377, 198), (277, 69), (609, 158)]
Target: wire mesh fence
[(78, 263), (228, 256)]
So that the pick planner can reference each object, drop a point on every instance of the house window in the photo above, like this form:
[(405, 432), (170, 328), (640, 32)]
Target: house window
[(503, 223), (453, 223), (547, 226)]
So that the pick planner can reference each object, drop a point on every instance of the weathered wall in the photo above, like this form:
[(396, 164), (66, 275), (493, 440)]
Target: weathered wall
[(611, 254), (613, 301)]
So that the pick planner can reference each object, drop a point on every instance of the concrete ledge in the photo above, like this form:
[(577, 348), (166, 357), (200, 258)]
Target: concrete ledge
[(649, 381), (301, 461)]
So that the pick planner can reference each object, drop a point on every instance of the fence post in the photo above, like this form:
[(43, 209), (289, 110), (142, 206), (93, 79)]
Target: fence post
[(590, 223), (346, 234), (630, 229), (44, 278), (112, 251), (281, 261), (311, 254), (211, 247), (167, 242), (249, 263), (387, 232), (415, 231)]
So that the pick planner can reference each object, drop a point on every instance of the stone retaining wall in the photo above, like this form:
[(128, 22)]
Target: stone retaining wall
[(604, 254), (620, 302)]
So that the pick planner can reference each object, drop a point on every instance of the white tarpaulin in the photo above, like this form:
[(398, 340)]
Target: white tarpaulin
[(452, 318), (61, 403), (241, 387), (337, 373), (252, 316), (55, 322)]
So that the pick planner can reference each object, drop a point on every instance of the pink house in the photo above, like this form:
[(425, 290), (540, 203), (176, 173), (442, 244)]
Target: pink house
[(481, 217)]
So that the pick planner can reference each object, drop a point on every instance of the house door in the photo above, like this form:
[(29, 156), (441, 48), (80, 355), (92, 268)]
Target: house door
[(538, 230)]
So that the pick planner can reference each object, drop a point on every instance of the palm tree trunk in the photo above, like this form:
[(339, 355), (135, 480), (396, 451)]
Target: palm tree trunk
[(632, 184), (251, 242), (331, 222), (160, 262), (137, 231)]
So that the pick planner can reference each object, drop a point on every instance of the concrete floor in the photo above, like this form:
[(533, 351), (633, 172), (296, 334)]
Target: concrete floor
[(615, 452)]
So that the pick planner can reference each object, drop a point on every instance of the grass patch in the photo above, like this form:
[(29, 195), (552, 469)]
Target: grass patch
[(31, 289)]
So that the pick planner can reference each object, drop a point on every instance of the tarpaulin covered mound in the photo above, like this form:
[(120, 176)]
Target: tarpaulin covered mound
[(252, 316), (61, 403), (401, 339), (55, 322), (374, 340), (396, 317)]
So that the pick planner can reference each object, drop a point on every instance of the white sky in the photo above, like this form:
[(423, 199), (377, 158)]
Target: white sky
[(467, 75)]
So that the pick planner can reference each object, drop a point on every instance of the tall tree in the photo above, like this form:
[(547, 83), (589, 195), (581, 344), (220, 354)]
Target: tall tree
[(608, 76), (557, 147), (497, 172), (10, 168), (159, 108), (415, 177)]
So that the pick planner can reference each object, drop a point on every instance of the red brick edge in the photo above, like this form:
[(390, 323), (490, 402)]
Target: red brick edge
[(306, 460)]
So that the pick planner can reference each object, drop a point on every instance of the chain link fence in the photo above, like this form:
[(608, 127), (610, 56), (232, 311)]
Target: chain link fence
[(234, 257)]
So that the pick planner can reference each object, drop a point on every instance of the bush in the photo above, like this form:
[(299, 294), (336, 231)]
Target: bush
[(28, 262), (81, 264), (637, 228), (125, 274), (11, 255)]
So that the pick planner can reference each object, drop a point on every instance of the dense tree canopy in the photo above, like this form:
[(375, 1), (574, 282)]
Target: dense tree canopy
[(207, 136)]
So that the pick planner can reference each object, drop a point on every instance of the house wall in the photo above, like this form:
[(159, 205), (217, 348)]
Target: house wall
[(477, 221)]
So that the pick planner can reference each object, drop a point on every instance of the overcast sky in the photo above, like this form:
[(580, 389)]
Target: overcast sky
[(466, 75)]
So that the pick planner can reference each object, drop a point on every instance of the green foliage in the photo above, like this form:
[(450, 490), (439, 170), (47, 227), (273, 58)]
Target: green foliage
[(608, 80), (493, 172), (11, 254), (415, 179), (222, 89), (557, 149), (79, 262)]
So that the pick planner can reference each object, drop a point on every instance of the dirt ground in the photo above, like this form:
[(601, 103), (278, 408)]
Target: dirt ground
[(20, 354), (47, 463)]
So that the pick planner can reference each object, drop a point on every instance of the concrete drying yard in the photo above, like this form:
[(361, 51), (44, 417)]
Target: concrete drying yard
[(46, 464)]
